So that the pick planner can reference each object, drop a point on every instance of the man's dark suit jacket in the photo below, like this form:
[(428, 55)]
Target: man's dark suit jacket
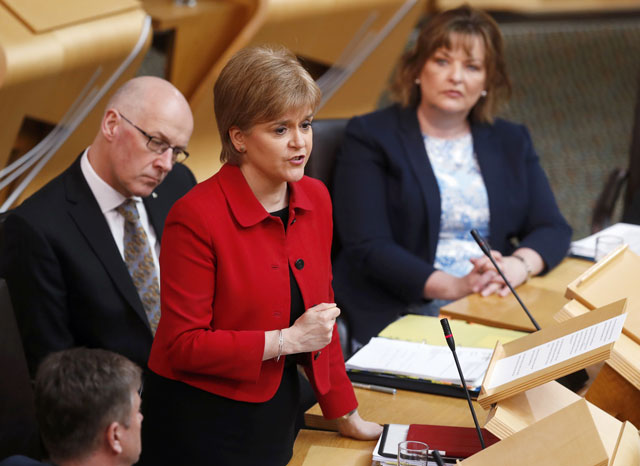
[(387, 211), (19, 460), (68, 283)]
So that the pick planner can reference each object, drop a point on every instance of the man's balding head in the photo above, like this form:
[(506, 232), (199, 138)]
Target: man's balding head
[(119, 153), (136, 94)]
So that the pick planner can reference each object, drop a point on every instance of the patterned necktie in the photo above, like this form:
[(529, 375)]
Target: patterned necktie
[(139, 260)]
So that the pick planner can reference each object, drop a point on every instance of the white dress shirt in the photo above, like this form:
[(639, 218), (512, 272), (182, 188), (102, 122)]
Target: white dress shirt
[(109, 199)]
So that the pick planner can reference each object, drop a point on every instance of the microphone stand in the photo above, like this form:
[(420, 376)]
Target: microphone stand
[(452, 345), (572, 381), (487, 252)]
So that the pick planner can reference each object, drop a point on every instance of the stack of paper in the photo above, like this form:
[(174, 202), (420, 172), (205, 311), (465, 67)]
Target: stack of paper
[(629, 233), (429, 362)]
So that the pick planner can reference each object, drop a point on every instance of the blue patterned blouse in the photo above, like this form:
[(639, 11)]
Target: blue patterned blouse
[(464, 202)]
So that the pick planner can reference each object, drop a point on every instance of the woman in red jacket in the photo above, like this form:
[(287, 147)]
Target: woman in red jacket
[(246, 285)]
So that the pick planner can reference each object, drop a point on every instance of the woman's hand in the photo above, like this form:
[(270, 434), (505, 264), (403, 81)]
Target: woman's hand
[(312, 330), (515, 272), (516, 269), (441, 285), (356, 427)]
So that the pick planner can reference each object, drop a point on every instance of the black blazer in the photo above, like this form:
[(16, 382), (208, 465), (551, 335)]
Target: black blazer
[(387, 210), (19, 460), (68, 283)]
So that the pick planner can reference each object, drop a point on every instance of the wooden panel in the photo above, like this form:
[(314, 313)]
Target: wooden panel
[(525, 409), (628, 447), (615, 395), (612, 278), (46, 15), (543, 296), (616, 389), (319, 30), (42, 74), (567, 437), (201, 35), (314, 447)]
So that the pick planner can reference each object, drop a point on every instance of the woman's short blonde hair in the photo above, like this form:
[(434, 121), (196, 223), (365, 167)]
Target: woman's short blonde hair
[(257, 85), (436, 33)]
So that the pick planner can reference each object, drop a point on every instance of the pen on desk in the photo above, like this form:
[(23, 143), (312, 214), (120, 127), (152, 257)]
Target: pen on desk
[(375, 388)]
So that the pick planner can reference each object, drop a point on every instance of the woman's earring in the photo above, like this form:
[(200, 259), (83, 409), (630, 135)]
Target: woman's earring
[(417, 81), (242, 149), (483, 93)]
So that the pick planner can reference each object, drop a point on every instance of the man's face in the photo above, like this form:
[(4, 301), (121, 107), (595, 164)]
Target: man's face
[(133, 168), (131, 442)]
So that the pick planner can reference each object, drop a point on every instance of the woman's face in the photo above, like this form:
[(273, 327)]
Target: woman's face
[(452, 80), (277, 151)]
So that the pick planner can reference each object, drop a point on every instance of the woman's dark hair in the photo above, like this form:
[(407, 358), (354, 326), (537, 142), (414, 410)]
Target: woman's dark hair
[(467, 23)]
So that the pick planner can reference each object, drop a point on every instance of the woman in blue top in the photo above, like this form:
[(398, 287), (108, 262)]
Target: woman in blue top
[(412, 179)]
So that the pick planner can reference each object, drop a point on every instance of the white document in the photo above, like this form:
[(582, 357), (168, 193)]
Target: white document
[(396, 433), (422, 361), (556, 351), (629, 233)]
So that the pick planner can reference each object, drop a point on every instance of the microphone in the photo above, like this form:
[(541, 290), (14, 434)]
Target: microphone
[(572, 381), (452, 345), (437, 458), (487, 252)]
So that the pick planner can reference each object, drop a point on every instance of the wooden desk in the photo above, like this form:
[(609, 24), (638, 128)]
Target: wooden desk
[(405, 407), (543, 296)]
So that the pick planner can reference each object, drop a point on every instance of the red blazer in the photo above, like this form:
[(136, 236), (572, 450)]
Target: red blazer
[(225, 281)]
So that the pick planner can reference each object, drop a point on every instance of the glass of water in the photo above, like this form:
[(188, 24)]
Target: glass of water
[(412, 453)]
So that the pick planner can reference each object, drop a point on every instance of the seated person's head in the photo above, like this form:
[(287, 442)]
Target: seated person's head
[(87, 404), (145, 130), (260, 85), (474, 33)]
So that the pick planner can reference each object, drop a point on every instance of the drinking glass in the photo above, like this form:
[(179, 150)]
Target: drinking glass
[(412, 453), (605, 244)]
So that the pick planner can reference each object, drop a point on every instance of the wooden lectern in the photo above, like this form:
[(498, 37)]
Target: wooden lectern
[(570, 436), (612, 278), (525, 409), (616, 388), (538, 358)]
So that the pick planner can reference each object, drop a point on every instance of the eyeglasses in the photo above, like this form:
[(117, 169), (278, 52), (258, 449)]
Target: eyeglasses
[(159, 146)]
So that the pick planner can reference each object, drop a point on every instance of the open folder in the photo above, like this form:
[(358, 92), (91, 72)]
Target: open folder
[(418, 367), (411, 354)]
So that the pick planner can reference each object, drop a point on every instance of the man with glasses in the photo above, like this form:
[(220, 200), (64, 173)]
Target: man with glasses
[(81, 255)]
